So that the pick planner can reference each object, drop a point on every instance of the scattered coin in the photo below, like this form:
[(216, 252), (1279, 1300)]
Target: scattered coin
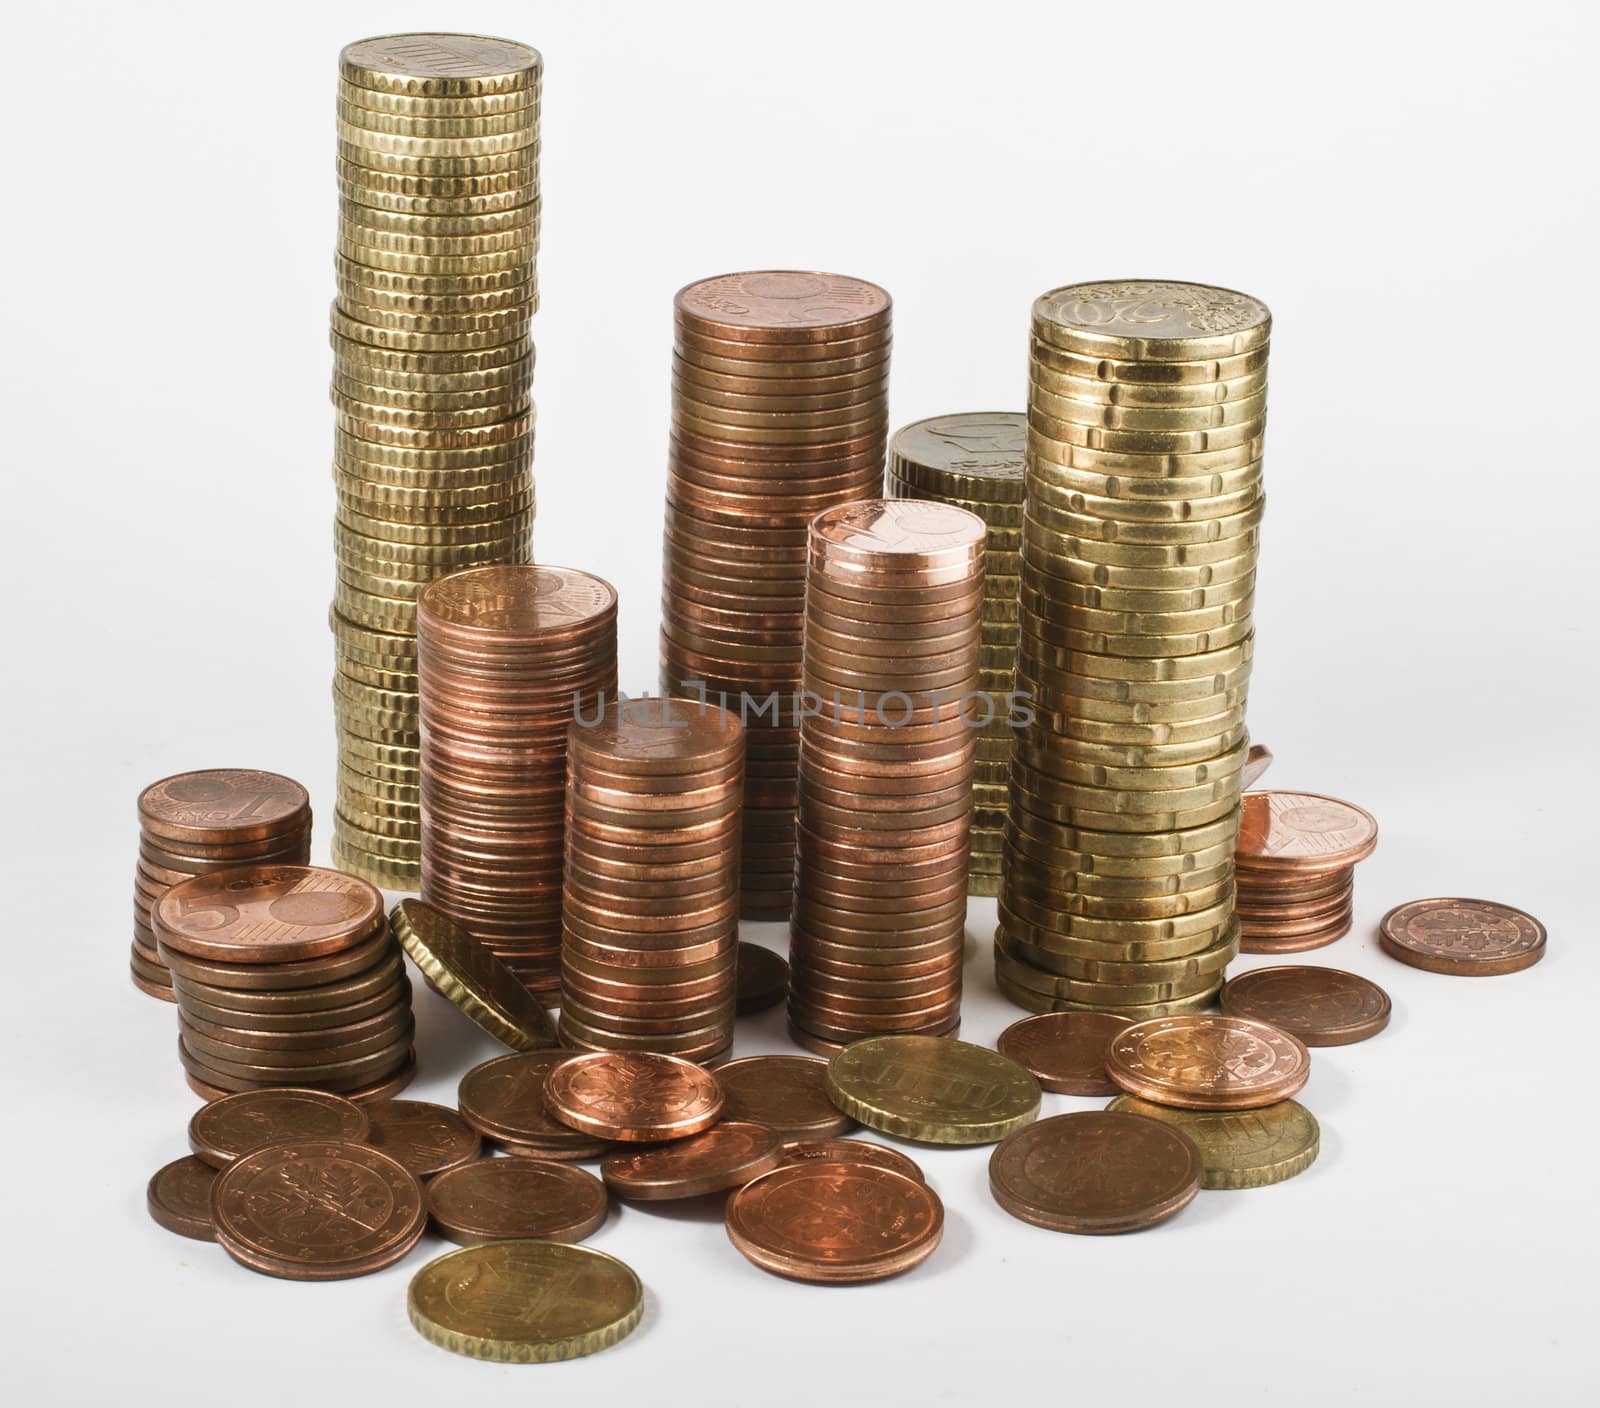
[(179, 1198), (728, 1155), (1466, 938), (786, 1093), (1205, 1062), (426, 1138), (763, 978), (845, 1151), (1095, 1172), (634, 1096), (504, 1099), (235, 1125), (502, 1199), (1064, 1051), (1241, 1148), (1321, 1006)]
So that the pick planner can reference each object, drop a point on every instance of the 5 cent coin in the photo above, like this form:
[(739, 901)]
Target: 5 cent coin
[(1201, 1061), (1465, 938)]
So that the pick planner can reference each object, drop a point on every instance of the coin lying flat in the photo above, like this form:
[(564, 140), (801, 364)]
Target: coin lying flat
[(786, 1093), (235, 1125), (1241, 1148), (1321, 1006), (504, 1099), (179, 1198), (1064, 1051), (502, 1199), (728, 1155), (1466, 938), (763, 978), (1095, 1172), (848, 1151), (426, 1138), (1205, 1062), (932, 1089), (635, 1096)]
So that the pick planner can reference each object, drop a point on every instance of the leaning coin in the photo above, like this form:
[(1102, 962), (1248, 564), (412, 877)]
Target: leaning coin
[(846, 1151), (636, 1096), (1321, 1006), (763, 978), (501, 1199), (728, 1155), (1064, 1051), (932, 1089), (425, 1137), (786, 1093), (1241, 1148), (1466, 938), (1202, 1061), (226, 1129), (179, 1198)]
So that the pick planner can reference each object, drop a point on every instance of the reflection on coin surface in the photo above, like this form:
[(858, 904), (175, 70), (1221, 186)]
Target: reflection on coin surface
[(845, 1151), (1206, 1062), (633, 1095)]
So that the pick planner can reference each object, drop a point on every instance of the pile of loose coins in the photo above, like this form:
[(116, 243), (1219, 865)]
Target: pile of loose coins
[(509, 656), (779, 410), (1294, 869), (894, 601), (198, 822), (438, 230), (975, 461), (1146, 411), (286, 975), (650, 921)]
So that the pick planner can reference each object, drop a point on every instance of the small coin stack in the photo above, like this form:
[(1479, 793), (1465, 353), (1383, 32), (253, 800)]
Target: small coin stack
[(1146, 412), (286, 975), (894, 601), (779, 410), (1295, 869), (651, 918), (198, 822), (974, 461), (508, 657), (438, 229)]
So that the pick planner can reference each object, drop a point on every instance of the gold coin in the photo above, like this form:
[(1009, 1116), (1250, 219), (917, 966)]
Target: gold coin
[(1048, 552), (355, 751), (934, 1089), (478, 411), (1059, 485), (1112, 855), (1146, 669), (428, 507), (1047, 428), (1113, 688), (427, 529), (378, 613), (1075, 514), (1032, 1001), (401, 339), (434, 558), (387, 872), (355, 114), (1021, 933), (524, 161), (1098, 391), (1154, 778), (441, 65), (1070, 523), (1241, 1148), (490, 230), (520, 242), (407, 104), (404, 262), (367, 672), (509, 199), (357, 297), (495, 432), (1165, 419), (352, 353), (1105, 461), (1197, 372), (977, 455), (1097, 551), (1127, 994), (512, 473), (372, 644), (1152, 601), (1151, 319), (503, 400)]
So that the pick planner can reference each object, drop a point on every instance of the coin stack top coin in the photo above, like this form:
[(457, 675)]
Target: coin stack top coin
[(651, 911), (438, 230), (1295, 869), (974, 461), (509, 656), (286, 975), (780, 384), (893, 604), (197, 822), (1145, 419)]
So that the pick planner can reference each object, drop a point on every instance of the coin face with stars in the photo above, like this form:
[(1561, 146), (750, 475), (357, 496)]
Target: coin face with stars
[(1203, 1061), (1466, 938), (1321, 1006)]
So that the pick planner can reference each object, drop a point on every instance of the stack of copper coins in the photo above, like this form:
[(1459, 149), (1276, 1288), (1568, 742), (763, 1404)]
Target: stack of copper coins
[(198, 822), (1146, 411), (651, 916), (975, 462), (286, 975), (1295, 869), (438, 230), (894, 601), (509, 657), (779, 410)]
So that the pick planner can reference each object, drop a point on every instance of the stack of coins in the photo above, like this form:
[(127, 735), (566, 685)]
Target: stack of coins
[(438, 228), (509, 657), (779, 410), (198, 822), (1146, 410), (1295, 869), (894, 601), (975, 462), (651, 918), (286, 975)]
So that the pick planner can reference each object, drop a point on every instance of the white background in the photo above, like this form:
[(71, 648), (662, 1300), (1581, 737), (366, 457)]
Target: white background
[(1408, 186)]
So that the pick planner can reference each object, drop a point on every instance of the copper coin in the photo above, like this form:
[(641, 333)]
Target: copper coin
[(763, 978), (1065, 1051), (329, 1071), (221, 805), (361, 959), (179, 1198), (492, 607), (229, 1128), (497, 1199), (243, 1029), (1301, 831), (268, 914), (835, 1223), (782, 306), (1321, 1006), (426, 1138), (317, 1210), (1466, 938), (385, 1087), (785, 1093), (560, 1153), (846, 1151), (633, 1095), (1095, 1172), (162, 864), (1200, 1061), (334, 1003), (504, 1098), (728, 1155)]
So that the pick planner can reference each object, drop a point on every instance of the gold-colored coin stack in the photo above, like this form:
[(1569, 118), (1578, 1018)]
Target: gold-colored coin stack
[(974, 461), (779, 410), (1146, 411), (438, 231)]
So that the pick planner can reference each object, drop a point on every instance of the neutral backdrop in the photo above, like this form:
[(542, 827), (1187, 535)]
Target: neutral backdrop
[(1408, 186)]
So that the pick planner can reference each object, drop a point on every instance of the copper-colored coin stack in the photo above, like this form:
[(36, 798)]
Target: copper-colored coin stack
[(1295, 869), (974, 461), (779, 410), (438, 230), (651, 917), (509, 657), (198, 822), (286, 975), (1146, 410), (894, 601)]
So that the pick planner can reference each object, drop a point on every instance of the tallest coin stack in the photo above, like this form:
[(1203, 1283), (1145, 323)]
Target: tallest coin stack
[(438, 229), (1146, 411)]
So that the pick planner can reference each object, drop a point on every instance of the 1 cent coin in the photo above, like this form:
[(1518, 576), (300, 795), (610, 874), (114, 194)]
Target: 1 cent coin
[(500, 1199), (1303, 832), (763, 979), (635, 1096), (728, 1155), (933, 1089), (1064, 1051), (1241, 1148), (785, 1093), (235, 1125), (1466, 938), (1321, 1006), (1201, 1061), (846, 1151), (179, 1198), (425, 1137)]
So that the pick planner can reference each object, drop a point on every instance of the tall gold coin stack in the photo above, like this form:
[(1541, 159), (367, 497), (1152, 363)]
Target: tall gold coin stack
[(779, 410), (1146, 412), (974, 461), (438, 229)]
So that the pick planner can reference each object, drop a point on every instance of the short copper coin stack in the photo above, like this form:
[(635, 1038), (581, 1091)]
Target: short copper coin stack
[(974, 461), (894, 601), (198, 822), (1295, 866), (286, 975), (779, 410), (651, 917), (1146, 411), (509, 656), (433, 451)]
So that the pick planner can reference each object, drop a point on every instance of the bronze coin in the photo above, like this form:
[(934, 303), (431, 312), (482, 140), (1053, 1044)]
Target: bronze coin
[(504, 1098), (763, 978), (335, 1003), (229, 1128), (179, 1198), (1200, 1061), (498, 1199), (330, 1072), (1064, 1051), (728, 1155), (633, 1096), (1321, 1006), (280, 977), (1303, 832), (267, 914), (426, 1138), (785, 1093), (317, 1210), (222, 805), (170, 866), (1095, 1172), (560, 1153), (1466, 938), (844, 1151), (242, 1030)]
